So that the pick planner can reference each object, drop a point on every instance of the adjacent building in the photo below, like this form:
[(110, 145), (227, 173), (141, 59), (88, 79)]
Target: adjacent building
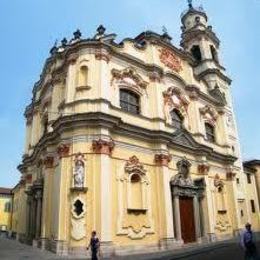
[(136, 140), (5, 209)]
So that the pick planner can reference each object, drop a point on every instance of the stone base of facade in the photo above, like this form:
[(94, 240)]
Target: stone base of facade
[(108, 249), (58, 247), (211, 237), (169, 243)]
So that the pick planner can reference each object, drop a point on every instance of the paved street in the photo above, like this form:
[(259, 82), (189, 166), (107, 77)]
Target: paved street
[(13, 250)]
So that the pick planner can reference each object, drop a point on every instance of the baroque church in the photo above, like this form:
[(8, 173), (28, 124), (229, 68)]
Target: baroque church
[(136, 140)]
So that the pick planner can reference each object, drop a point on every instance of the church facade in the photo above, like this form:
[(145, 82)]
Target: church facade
[(136, 140)]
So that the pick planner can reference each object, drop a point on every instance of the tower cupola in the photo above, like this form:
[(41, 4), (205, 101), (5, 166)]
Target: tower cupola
[(201, 42), (197, 36)]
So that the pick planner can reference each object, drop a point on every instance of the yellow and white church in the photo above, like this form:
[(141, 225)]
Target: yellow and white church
[(136, 140)]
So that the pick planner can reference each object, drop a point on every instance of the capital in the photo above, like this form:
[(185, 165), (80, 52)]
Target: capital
[(103, 147), (63, 150), (162, 159), (102, 56), (48, 162), (203, 168)]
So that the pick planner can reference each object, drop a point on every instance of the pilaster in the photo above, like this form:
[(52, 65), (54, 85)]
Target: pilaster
[(103, 149), (162, 161), (102, 60), (64, 207)]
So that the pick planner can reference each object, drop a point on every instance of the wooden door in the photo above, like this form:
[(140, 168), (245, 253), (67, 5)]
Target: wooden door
[(187, 219)]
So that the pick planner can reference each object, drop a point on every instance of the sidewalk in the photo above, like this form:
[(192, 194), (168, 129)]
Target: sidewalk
[(13, 250)]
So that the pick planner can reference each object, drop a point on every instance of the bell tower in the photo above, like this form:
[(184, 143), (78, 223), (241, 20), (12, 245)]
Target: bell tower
[(201, 42)]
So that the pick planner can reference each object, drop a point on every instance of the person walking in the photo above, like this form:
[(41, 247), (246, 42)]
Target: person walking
[(248, 243), (94, 245)]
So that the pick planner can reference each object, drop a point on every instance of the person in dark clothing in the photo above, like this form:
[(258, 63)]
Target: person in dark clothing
[(248, 243), (94, 245)]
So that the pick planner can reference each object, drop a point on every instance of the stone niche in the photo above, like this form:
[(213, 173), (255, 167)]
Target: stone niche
[(79, 173), (135, 219)]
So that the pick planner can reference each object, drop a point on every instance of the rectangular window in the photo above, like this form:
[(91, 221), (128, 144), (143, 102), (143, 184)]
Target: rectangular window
[(129, 101), (248, 178), (238, 181), (210, 132), (252, 206), (242, 213)]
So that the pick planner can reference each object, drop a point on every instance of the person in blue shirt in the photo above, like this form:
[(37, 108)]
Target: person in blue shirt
[(248, 243)]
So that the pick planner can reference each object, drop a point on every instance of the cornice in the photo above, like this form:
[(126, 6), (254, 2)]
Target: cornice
[(204, 73), (117, 126), (112, 49), (194, 33)]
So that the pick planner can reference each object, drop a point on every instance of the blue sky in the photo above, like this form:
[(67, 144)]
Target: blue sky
[(29, 28)]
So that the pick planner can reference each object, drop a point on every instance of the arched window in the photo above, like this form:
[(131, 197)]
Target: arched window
[(214, 53), (83, 76), (177, 118), (196, 53), (210, 132), (136, 192), (129, 101)]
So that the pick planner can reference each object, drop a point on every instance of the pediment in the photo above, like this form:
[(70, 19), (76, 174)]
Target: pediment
[(184, 138)]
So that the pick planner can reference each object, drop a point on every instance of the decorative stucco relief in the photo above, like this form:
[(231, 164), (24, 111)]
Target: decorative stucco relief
[(170, 59), (78, 211), (134, 219), (222, 217), (174, 98), (130, 78), (209, 114)]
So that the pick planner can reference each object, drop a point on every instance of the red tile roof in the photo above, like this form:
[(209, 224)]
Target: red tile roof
[(6, 191)]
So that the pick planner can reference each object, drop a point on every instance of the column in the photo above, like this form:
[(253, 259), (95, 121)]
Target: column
[(197, 218), (162, 160), (38, 213), (177, 217)]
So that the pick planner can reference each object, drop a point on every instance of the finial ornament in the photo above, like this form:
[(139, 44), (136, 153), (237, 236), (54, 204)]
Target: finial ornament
[(101, 29), (77, 34), (164, 30), (190, 3), (54, 49)]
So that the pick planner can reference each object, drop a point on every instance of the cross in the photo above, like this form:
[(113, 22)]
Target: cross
[(164, 29), (190, 3)]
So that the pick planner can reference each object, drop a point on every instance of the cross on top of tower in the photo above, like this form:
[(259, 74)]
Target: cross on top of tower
[(190, 3)]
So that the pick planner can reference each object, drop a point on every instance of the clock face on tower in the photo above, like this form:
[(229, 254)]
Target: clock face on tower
[(169, 59)]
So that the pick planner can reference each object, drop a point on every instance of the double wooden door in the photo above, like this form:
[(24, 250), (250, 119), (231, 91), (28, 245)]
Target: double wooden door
[(187, 219)]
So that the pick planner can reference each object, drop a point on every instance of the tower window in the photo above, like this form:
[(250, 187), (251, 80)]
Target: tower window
[(129, 101), (210, 132), (252, 206), (249, 178), (177, 118), (214, 53), (196, 53), (238, 181), (242, 213)]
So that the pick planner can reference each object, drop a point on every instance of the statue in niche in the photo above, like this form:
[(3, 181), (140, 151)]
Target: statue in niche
[(79, 171), (183, 177)]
